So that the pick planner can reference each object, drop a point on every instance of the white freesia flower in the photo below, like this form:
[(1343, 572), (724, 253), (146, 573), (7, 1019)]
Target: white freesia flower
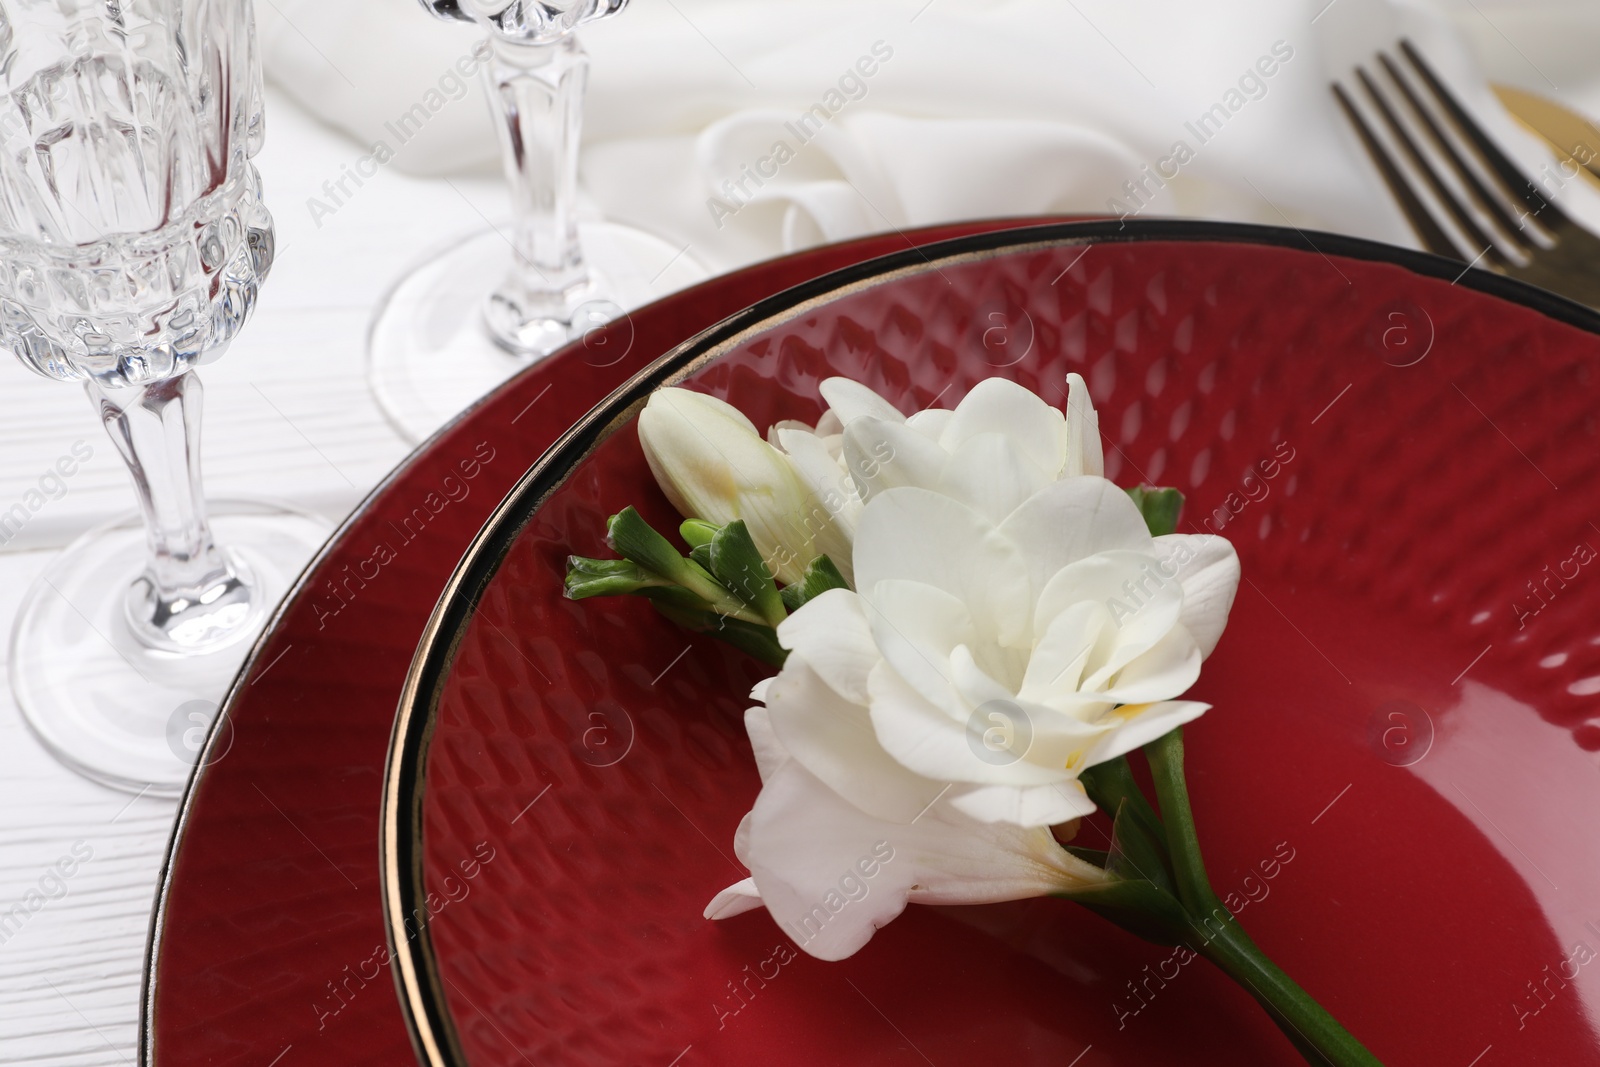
[(947, 708), (801, 492), (993, 450), (831, 874), (1012, 654), (712, 464)]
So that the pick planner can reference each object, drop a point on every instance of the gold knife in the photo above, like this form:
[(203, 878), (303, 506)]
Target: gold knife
[(1575, 138)]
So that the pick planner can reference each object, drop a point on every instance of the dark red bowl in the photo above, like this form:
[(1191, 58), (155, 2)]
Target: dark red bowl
[(1395, 786)]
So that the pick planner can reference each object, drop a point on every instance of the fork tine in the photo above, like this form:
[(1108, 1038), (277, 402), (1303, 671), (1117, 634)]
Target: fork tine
[(1452, 204), (1516, 183), (1479, 192), (1428, 231)]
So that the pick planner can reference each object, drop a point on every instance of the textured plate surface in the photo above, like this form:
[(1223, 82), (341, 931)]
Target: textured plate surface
[(1395, 788), (268, 937)]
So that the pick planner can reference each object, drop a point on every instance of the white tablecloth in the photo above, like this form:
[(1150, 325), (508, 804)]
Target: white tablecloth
[(288, 414)]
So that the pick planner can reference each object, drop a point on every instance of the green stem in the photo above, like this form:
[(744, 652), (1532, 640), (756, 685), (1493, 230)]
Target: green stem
[(1317, 1034), (1183, 844), (1217, 935), (698, 581)]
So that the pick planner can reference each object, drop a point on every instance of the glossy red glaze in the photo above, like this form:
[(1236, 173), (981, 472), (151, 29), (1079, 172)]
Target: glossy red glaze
[(1395, 787), (270, 919)]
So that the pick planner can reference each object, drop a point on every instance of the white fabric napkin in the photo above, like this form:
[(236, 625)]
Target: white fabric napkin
[(892, 115)]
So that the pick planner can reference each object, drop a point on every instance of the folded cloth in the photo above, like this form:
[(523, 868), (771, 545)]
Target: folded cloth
[(746, 128)]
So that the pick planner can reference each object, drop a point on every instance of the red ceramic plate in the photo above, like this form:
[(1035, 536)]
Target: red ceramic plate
[(268, 931), (1396, 787)]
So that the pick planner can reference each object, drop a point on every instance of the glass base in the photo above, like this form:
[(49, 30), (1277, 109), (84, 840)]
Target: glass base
[(113, 710), (430, 353)]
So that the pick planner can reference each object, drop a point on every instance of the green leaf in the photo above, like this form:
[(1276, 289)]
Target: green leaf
[(1136, 853), (675, 595), (751, 638), (1097, 856), (1139, 907), (607, 577), (737, 564), (1160, 508), (637, 540), (1116, 792), (820, 576), (701, 555), (697, 532)]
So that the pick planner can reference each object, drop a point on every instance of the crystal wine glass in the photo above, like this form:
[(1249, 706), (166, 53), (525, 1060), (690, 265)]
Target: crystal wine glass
[(133, 241), (471, 315)]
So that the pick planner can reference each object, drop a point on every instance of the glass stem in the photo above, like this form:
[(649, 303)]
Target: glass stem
[(190, 596), (536, 91)]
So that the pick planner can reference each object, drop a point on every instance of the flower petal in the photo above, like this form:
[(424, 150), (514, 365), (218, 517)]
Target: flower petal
[(818, 468), (1061, 738), (992, 475), (776, 430), (1141, 602), (921, 536), (1142, 724), (928, 740), (694, 405), (737, 899), (930, 422), (1208, 570), (1071, 519), (998, 406), (830, 632), (975, 686), (1061, 658), (1163, 672), (881, 455), (1084, 453), (830, 526), (1039, 805), (834, 740), (849, 400), (769, 752), (915, 628), (831, 876)]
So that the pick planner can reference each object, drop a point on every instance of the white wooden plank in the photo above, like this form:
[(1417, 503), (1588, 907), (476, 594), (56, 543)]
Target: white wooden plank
[(69, 971)]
